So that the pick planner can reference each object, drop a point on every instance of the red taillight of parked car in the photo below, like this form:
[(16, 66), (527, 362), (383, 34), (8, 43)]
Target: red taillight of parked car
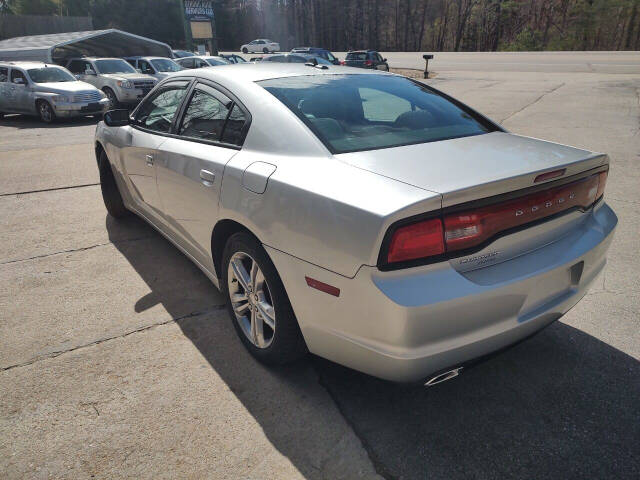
[(368, 63), (473, 227), (417, 240), (342, 62)]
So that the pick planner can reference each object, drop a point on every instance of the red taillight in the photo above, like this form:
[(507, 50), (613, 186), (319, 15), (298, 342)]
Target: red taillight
[(342, 62), (471, 228), (368, 63), (418, 240)]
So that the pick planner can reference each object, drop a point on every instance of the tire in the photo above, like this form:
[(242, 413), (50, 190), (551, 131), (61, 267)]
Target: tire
[(113, 100), (265, 50), (245, 50), (281, 344), (45, 112), (110, 192), (1, 115)]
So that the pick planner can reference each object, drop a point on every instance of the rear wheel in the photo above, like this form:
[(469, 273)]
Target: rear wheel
[(113, 100), (265, 50), (258, 304), (245, 50), (45, 112), (110, 192)]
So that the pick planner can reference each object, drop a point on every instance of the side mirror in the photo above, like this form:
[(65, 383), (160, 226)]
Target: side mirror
[(78, 76), (88, 71), (117, 118), (384, 59)]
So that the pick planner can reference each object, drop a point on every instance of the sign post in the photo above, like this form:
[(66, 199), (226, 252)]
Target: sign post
[(200, 23)]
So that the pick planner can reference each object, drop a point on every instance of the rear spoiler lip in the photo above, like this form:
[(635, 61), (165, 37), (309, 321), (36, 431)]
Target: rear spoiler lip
[(382, 264)]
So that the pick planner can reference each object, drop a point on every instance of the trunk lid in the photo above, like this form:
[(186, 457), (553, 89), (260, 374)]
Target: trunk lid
[(471, 168)]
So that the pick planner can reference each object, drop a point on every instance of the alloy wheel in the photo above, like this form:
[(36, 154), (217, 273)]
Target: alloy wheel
[(45, 112), (251, 299), (113, 101)]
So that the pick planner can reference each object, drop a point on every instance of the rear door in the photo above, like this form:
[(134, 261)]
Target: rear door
[(191, 164), (152, 122), (4, 90)]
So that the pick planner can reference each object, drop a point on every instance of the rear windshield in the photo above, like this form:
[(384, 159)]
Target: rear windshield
[(50, 75), (356, 56), (366, 112), (165, 65)]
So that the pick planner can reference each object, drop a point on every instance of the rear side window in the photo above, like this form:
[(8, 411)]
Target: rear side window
[(355, 112), (157, 112), (212, 116), (4, 74)]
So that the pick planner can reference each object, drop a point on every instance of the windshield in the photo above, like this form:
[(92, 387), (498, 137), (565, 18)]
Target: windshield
[(114, 66), (165, 65), (50, 75), (216, 61), (365, 112)]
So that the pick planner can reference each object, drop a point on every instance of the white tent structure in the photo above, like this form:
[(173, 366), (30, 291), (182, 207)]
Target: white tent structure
[(57, 47)]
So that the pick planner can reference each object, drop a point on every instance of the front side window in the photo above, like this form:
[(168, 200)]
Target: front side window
[(18, 77), (157, 112), (365, 112), (212, 116), (113, 66), (50, 75), (79, 66), (145, 67)]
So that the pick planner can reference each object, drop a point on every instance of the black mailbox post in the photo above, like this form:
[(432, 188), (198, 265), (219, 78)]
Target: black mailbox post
[(427, 57)]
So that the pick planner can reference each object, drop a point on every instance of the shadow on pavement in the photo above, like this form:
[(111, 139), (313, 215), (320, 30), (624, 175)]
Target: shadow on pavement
[(562, 404), (31, 122)]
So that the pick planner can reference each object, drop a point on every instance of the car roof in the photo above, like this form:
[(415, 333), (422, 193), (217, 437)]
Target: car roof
[(146, 58), (361, 51), (27, 64), (250, 72), (96, 58)]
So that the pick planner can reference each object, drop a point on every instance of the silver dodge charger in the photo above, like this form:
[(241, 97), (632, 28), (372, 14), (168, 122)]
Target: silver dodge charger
[(362, 216)]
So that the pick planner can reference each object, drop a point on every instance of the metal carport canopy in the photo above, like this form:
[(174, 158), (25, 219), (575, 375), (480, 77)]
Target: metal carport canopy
[(58, 47)]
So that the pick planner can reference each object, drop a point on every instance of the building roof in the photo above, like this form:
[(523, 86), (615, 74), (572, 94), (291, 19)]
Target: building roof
[(101, 43)]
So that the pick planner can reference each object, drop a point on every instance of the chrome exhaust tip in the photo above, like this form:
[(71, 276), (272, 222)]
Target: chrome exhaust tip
[(443, 377)]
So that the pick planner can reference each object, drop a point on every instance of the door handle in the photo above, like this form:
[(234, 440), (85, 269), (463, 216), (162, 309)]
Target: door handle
[(207, 177), (149, 160)]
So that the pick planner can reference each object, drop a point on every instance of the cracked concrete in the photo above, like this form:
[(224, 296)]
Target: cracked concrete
[(118, 360)]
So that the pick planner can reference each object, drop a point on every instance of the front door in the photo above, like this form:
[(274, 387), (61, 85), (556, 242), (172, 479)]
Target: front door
[(152, 121), (4, 89), (19, 93), (191, 166)]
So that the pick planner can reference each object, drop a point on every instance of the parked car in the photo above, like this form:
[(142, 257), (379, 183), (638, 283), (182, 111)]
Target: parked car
[(182, 53), (201, 61), (46, 90), (295, 58), (233, 58), (366, 59), (157, 67), (318, 52), (394, 230), (115, 77), (261, 45)]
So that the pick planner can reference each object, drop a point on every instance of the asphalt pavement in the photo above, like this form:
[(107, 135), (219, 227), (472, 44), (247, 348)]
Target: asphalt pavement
[(117, 359)]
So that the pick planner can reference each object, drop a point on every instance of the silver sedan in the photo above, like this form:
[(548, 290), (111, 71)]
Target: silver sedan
[(361, 216)]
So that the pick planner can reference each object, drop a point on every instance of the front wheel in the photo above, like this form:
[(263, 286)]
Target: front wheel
[(45, 112), (245, 50), (110, 192), (113, 100), (258, 304)]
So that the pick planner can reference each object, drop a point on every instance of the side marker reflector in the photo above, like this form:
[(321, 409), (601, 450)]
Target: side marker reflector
[(323, 287)]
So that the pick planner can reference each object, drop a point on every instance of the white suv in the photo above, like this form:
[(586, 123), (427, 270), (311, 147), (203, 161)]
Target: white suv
[(261, 45), (115, 77)]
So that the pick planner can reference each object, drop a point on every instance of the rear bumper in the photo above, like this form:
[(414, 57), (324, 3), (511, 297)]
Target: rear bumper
[(406, 325)]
